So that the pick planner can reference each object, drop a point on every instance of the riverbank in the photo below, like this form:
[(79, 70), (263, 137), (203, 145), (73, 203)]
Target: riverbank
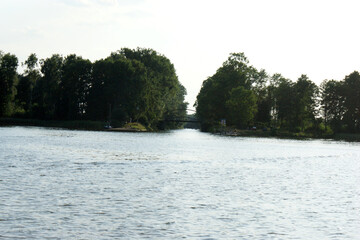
[(286, 134), (79, 125), (137, 127), (73, 125)]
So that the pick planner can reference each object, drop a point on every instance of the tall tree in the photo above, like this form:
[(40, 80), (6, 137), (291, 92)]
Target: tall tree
[(283, 100), (47, 89), (117, 89), (215, 91), (209, 105), (306, 93), (27, 82), (74, 87), (332, 103), (241, 107), (161, 85), (352, 101), (262, 89), (8, 78)]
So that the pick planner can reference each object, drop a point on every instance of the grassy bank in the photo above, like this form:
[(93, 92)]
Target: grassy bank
[(129, 127)]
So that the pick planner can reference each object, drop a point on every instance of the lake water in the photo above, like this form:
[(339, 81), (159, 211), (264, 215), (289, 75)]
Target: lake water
[(62, 184)]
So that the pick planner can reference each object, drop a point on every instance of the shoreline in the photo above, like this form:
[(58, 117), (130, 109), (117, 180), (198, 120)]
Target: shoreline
[(281, 134), (71, 125), (136, 127), (125, 129)]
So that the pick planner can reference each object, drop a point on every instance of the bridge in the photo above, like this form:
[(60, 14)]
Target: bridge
[(187, 119), (181, 120)]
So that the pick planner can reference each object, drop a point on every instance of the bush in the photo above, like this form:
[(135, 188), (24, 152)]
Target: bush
[(297, 129), (329, 131)]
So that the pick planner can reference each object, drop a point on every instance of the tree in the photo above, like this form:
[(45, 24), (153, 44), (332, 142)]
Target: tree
[(27, 82), (176, 107), (118, 85), (263, 95), (8, 78), (74, 87), (305, 103), (215, 91), (160, 85), (209, 105), (332, 103), (241, 107), (352, 101), (47, 89), (283, 101)]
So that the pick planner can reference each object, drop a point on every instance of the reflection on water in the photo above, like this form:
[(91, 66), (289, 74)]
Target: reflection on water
[(61, 184)]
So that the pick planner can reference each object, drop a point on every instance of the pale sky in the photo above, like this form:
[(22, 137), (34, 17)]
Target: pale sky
[(319, 38)]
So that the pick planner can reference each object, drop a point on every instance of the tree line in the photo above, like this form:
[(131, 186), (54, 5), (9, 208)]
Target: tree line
[(245, 96), (129, 85)]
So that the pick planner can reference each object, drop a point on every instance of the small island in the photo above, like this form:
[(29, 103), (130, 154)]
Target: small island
[(129, 86)]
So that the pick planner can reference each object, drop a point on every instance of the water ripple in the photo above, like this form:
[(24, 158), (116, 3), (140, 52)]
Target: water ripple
[(59, 184)]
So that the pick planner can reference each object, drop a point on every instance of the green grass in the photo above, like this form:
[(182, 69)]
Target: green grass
[(135, 126)]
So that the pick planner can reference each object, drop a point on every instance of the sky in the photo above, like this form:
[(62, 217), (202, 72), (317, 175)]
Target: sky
[(319, 38)]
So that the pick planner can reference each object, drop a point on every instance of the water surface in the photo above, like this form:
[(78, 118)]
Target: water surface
[(62, 184)]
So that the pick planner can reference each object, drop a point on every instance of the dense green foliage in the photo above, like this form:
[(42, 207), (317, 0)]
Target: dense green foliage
[(217, 97), (241, 106), (341, 103), (247, 97), (8, 80), (130, 85)]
